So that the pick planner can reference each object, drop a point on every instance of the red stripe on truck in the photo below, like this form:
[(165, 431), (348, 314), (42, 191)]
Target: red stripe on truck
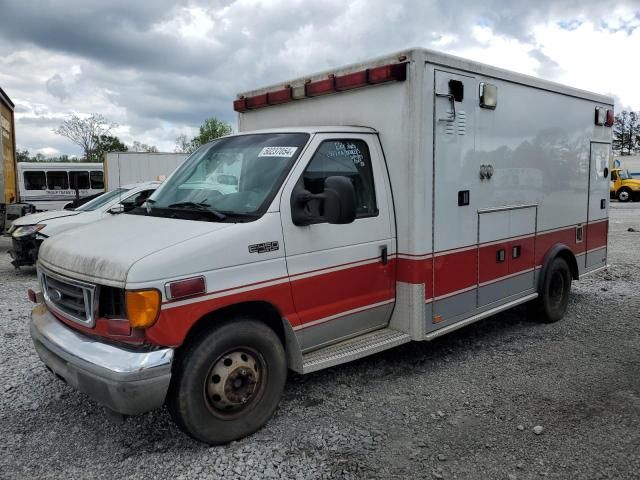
[(332, 291)]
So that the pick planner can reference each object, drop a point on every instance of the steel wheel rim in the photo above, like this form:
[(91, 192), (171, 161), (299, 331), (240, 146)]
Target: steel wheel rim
[(624, 196), (235, 382)]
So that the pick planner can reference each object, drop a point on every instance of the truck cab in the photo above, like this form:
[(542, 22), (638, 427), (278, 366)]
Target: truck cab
[(623, 186), (300, 250)]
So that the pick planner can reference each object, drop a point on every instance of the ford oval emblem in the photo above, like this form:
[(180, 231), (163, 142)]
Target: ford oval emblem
[(55, 295)]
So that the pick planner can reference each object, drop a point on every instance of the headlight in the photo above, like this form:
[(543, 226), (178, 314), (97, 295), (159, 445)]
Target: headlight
[(27, 230)]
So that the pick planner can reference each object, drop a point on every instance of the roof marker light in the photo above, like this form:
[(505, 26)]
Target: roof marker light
[(279, 96), (321, 87), (240, 105), (386, 73), (257, 101), (351, 80)]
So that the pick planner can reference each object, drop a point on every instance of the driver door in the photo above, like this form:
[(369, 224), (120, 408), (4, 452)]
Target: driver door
[(342, 276)]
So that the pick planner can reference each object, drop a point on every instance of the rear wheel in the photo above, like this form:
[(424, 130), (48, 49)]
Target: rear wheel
[(227, 383), (624, 195), (552, 303)]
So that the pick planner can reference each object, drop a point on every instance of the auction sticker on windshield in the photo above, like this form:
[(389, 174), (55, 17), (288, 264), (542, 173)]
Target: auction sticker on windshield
[(286, 152)]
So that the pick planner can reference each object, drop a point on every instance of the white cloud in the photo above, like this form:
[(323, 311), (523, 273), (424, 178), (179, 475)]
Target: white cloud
[(594, 58), (159, 70)]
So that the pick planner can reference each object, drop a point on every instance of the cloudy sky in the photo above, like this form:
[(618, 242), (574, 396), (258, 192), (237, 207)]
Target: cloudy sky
[(159, 68)]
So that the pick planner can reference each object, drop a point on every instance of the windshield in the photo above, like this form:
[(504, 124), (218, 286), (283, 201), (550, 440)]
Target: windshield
[(229, 178), (624, 175), (101, 201)]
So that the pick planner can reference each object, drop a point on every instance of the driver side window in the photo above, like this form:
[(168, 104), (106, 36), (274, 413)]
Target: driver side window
[(347, 158)]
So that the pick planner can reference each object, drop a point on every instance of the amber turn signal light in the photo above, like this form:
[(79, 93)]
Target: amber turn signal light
[(143, 307)]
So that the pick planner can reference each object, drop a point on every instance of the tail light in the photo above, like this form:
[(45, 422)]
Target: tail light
[(610, 118)]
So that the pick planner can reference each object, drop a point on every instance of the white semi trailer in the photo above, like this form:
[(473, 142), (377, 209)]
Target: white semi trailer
[(123, 168)]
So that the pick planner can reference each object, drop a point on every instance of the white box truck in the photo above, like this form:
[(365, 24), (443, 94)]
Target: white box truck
[(124, 168), (389, 201)]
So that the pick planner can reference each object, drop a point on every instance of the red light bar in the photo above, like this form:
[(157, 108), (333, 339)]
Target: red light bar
[(321, 87), (610, 118), (240, 105), (351, 80), (279, 96), (185, 288), (257, 101), (386, 73)]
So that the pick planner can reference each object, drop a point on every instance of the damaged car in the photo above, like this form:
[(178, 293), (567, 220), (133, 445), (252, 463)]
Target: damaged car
[(28, 232)]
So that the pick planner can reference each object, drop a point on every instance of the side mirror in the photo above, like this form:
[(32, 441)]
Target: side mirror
[(338, 203), (118, 208)]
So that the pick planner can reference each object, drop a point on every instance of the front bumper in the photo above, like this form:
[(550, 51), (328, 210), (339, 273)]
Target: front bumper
[(24, 252), (125, 380)]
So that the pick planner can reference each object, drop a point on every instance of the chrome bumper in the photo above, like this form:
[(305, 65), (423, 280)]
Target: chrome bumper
[(122, 379)]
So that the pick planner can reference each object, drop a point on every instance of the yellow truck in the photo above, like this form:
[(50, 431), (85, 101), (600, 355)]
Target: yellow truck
[(8, 191), (623, 186)]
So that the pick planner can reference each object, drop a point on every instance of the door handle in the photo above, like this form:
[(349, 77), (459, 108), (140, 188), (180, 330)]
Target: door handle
[(453, 107), (384, 254)]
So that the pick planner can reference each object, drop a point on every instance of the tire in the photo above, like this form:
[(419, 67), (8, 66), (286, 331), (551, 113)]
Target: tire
[(552, 303), (227, 383), (624, 195)]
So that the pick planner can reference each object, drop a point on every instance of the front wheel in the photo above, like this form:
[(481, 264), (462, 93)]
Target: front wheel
[(552, 303), (227, 383)]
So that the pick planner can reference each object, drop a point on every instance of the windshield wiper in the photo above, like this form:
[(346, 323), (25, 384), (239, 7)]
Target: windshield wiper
[(198, 207)]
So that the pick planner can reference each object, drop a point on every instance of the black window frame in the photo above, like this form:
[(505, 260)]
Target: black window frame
[(376, 211), (77, 174), (31, 172), (56, 172), (93, 173)]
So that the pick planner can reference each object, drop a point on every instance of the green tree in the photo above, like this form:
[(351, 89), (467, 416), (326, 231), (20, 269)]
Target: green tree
[(213, 128), (23, 155), (626, 132), (105, 144)]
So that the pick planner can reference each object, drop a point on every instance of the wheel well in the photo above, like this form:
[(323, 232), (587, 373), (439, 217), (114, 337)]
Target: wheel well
[(570, 258), (562, 251), (262, 311)]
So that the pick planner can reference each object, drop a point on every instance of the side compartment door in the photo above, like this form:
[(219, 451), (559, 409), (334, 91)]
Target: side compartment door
[(598, 212), (506, 252), (342, 276), (456, 180)]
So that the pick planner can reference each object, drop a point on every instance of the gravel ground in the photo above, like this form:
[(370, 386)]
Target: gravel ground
[(503, 398)]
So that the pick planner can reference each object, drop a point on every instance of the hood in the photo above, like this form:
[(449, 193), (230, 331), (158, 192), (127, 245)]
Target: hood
[(632, 182), (41, 217), (104, 251)]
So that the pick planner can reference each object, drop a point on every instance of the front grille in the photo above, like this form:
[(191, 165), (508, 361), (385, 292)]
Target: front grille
[(111, 302), (71, 298)]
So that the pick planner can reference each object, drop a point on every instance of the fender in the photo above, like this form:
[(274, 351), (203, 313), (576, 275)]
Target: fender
[(558, 250)]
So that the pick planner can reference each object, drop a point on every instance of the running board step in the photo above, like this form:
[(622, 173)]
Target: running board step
[(352, 349)]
